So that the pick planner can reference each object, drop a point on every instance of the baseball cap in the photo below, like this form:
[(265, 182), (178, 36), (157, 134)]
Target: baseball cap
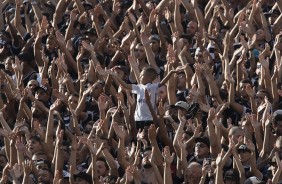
[(243, 147), (272, 12), (182, 104), (155, 37), (204, 140), (83, 175), (232, 175), (91, 31), (43, 88), (25, 56), (253, 180)]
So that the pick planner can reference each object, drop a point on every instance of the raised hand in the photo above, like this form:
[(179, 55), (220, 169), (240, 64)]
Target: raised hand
[(121, 133), (152, 132), (168, 158), (102, 102), (27, 167)]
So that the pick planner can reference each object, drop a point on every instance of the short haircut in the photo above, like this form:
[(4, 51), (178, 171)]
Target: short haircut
[(246, 81), (151, 72), (102, 159), (188, 38), (277, 116)]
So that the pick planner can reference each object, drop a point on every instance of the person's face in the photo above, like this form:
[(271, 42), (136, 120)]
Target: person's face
[(44, 177), (184, 42), (260, 98), (155, 45), (201, 150), (278, 128), (162, 92), (42, 166), (192, 173), (41, 95), (199, 57), (120, 73), (243, 89), (244, 156), (214, 102), (234, 136), (260, 35), (101, 168), (51, 44), (73, 101), (110, 49), (97, 90), (192, 28), (3, 161), (272, 19), (32, 85), (181, 80), (146, 162), (78, 180), (140, 52), (34, 29), (66, 153), (34, 146), (212, 169), (88, 128), (8, 64), (144, 78)]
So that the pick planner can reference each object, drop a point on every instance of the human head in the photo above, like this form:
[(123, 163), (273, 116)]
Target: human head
[(277, 122), (182, 108), (102, 167), (232, 177), (244, 153), (140, 52), (42, 93), (234, 133), (32, 84), (243, 85), (202, 147), (148, 75), (8, 64), (193, 172), (120, 71), (181, 80), (192, 28), (3, 160), (34, 144), (45, 176), (73, 101), (97, 89), (155, 43), (51, 43)]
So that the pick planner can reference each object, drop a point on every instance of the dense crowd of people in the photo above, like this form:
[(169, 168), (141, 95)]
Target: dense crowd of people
[(141, 91)]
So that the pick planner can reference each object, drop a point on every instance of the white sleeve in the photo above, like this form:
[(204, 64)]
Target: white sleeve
[(135, 88)]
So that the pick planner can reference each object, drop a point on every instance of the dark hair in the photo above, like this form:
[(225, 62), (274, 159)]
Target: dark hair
[(188, 38), (277, 116), (102, 159), (151, 72), (246, 81)]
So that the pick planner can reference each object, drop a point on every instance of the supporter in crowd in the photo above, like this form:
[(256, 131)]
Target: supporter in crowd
[(144, 92)]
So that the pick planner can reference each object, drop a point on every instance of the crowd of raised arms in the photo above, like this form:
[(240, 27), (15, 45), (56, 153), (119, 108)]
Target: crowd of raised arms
[(140, 91)]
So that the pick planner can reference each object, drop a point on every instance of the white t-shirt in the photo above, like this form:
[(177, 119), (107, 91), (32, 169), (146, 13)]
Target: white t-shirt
[(142, 112)]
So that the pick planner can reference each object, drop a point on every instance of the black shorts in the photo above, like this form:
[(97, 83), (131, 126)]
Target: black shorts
[(142, 124)]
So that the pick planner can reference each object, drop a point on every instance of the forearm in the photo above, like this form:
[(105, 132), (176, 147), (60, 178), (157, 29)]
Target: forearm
[(167, 174), (37, 11)]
